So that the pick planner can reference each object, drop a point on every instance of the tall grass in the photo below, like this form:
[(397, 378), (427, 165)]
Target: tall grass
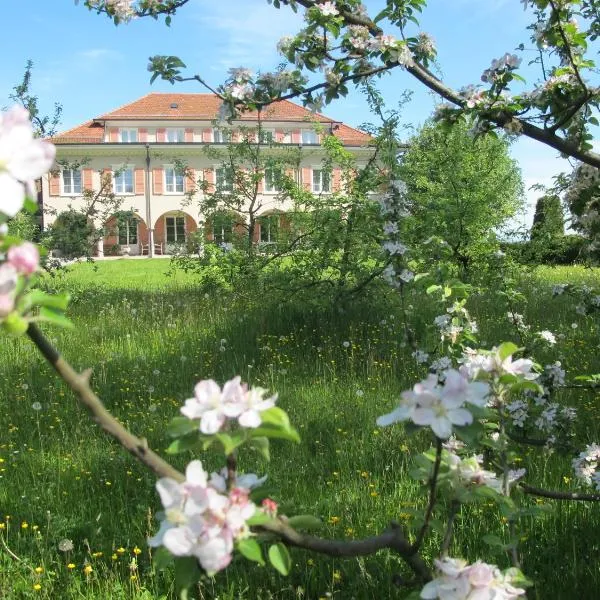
[(150, 338)]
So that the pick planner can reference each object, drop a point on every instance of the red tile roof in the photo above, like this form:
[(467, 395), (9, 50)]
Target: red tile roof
[(201, 107)]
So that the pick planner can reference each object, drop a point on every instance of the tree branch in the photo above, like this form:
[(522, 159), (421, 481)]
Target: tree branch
[(554, 495), (393, 539)]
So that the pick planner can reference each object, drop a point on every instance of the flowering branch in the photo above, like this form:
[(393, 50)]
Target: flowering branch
[(393, 538)]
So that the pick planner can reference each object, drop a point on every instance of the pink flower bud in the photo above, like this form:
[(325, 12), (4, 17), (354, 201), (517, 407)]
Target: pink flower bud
[(24, 258), (270, 506)]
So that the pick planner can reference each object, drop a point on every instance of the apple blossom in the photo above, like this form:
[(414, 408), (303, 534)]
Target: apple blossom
[(25, 258), (23, 159), (459, 581), (328, 9), (436, 405), (199, 521), (214, 406)]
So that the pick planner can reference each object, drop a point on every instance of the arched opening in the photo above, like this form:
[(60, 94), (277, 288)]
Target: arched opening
[(125, 232), (173, 231)]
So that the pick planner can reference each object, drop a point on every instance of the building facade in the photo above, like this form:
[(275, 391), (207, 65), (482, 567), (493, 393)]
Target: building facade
[(136, 151)]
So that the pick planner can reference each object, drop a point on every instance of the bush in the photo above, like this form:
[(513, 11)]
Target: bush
[(71, 234), (560, 250)]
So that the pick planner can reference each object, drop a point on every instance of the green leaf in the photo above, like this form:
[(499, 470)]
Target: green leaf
[(56, 318), (251, 549), (305, 522), (231, 442), (280, 558), (187, 573), (162, 558), (493, 540), (188, 442), (507, 349), (276, 433), (262, 445), (55, 301), (275, 416), (181, 426)]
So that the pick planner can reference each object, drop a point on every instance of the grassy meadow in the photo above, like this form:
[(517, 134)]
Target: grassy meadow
[(150, 337)]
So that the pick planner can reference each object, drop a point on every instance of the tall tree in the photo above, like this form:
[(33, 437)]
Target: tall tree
[(459, 189), (548, 220)]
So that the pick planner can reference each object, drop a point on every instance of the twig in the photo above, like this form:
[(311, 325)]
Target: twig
[(454, 508), (432, 493), (555, 495), (393, 539)]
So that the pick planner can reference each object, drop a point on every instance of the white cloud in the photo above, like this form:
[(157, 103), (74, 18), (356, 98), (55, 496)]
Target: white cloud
[(248, 41)]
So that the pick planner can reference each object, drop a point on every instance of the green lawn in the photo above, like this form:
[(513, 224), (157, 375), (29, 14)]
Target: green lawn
[(150, 337)]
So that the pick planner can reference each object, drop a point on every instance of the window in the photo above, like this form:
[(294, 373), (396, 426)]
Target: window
[(320, 181), (129, 135), (128, 231), (221, 136), (175, 229), (175, 135), (287, 138), (272, 180), (173, 180), (71, 181), (222, 228), (269, 227), (224, 179), (123, 179), (267, 136), (309, 136)]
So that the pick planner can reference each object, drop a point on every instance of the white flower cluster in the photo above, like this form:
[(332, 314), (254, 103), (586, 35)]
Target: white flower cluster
[(457, 580), (328, 9), (214, 406), (439, 405), (200, 520), (586, 465), (457, 320), (499, 66), (554, 374), (547, 336), (517, 320), (474, 361), (23, 159)]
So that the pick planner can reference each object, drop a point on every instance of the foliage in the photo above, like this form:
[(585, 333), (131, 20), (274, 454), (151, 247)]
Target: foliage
[(548, 220), (459, 189), (71, 234)]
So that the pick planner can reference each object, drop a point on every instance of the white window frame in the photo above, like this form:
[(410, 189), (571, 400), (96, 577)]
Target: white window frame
[(73, 191), (268, 135), (317, 186), (309, 133), (268, 219), (128, 132), (122, 169), (128, 222), (177, 185), (221, 136), (175, 241), (175, 132), (229, 182), (273, 189)]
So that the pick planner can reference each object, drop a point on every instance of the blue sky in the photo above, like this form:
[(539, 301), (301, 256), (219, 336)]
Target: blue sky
[(90, 66)]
